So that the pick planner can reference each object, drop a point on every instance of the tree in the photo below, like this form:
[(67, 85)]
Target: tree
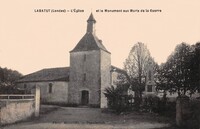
[(136, 68), (175, 74), (8, 78), (195, 68), (161, 80)]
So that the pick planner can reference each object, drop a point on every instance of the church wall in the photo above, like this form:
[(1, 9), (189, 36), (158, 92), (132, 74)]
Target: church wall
[(88, 65), (105, 76), (59, 92)]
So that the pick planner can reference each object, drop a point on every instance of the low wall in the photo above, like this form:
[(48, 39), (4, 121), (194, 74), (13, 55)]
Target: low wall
[(17, 107), (188, 113), (15, 110)]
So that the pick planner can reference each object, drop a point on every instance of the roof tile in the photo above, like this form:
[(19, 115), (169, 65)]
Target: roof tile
[(50, 74)]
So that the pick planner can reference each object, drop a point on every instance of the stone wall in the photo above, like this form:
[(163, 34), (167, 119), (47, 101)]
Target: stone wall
[(105, 76), (88, 63), (15, 110), (59, 92)]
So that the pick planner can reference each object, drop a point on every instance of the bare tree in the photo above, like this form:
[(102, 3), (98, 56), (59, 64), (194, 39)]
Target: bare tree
[(136, 67)]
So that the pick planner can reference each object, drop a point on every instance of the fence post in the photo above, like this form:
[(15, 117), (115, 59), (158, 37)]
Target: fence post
[(37, 101), (182, 110)]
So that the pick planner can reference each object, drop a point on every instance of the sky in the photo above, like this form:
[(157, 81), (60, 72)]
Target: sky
[(31, 40)]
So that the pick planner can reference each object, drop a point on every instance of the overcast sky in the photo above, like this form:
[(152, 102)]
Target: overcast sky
[(30, 41)]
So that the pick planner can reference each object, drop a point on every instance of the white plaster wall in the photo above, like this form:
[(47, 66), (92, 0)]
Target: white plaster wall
[(59, 91), (15, 110)]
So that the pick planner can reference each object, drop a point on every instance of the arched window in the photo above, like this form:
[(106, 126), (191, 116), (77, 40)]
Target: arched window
[(50, 87)]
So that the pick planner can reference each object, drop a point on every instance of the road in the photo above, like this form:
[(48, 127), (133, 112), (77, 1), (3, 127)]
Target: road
[(89, 118)]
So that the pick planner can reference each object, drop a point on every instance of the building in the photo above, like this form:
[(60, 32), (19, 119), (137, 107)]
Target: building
[(84, 82)]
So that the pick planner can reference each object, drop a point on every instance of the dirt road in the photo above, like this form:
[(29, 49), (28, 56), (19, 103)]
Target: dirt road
[(89, 118)]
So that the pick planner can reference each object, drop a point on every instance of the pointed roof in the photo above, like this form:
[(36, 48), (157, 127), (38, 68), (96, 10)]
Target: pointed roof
[(89, 41), (91, 18)]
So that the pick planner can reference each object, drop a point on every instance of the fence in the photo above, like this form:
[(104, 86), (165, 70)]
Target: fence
[(17, 96)]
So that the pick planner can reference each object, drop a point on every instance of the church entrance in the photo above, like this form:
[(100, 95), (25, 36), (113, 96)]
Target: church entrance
[(84, 97)]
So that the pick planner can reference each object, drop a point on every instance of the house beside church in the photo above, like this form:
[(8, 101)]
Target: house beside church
[(84, 82)]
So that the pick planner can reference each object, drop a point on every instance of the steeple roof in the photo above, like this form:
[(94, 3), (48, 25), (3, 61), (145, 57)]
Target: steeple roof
[(91, 18), (89, 41)]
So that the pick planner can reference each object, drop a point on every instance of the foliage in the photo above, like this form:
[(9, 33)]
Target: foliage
[(117, 99), (136, 67), (195, 68), (7, 80), (154, 104), (150, 103), (179, 74)]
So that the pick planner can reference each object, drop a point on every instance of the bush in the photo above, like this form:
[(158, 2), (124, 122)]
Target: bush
[(195, 109), (150, 103), (162, 106), (116, 99), (118, 103), (168, 109), (10, 90)]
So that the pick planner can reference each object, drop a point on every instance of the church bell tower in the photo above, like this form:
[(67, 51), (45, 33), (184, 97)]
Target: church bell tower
[(90, 64)]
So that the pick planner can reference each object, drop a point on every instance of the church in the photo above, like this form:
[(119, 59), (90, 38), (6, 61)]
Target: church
[(84, 82)]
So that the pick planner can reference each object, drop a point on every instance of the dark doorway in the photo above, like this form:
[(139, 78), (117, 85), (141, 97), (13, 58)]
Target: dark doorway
[(84, 97)]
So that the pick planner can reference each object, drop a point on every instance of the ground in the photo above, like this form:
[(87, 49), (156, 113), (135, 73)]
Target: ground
[(54, 117)]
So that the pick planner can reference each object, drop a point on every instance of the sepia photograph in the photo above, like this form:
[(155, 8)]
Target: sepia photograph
[(99, 64)]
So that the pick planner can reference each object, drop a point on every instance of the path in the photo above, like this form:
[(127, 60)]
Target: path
[(89, 118)]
